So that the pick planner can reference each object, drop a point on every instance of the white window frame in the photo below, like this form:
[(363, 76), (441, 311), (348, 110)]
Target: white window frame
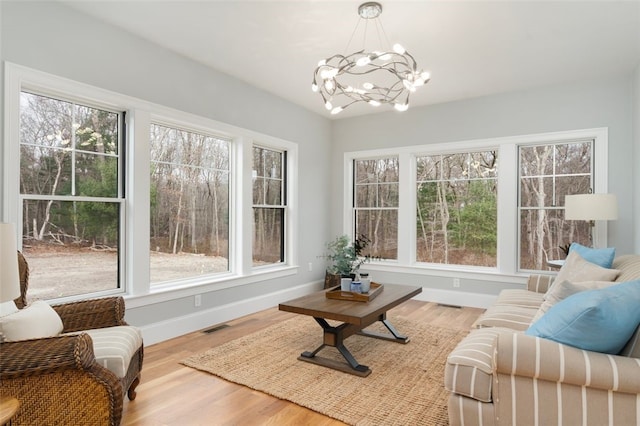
[(135, 286), (507, 148), (284, 204)]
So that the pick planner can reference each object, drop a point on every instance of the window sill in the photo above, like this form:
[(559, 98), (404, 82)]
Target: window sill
[(170, 291)]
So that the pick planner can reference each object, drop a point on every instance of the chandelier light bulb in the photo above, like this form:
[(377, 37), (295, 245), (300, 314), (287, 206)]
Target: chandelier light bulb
[(328, 84), (399, 49), (379, 76), (363, 61), (410, 87)]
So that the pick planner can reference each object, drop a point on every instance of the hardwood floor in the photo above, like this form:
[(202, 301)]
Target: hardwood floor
[(172, 394)]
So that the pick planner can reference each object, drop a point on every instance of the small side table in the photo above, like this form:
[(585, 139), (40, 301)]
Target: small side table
[(555, 264), (8, 408)]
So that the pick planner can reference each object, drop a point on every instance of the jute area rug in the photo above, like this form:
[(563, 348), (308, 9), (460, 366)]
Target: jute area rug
[(404, 388)]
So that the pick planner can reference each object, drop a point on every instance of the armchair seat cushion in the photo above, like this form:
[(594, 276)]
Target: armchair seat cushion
[(115, 346)]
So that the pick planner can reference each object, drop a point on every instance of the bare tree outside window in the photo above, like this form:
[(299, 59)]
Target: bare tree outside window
[(548, 173), (376, 198), (71, 196), (269, 204), (456, 198), (189, 204)]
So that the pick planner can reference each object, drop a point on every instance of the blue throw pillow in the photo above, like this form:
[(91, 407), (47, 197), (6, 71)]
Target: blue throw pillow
[(595, 320), (601, 257)]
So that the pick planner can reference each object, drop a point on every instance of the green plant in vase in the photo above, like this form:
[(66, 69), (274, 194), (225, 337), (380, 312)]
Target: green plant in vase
[(345, 258)]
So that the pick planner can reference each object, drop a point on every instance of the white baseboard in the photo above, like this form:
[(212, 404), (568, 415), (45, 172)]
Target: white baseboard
[(456, 298), (174, 327)]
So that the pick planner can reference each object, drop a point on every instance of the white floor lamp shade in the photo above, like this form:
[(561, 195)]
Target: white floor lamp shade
[(9, 276), (591, 207)]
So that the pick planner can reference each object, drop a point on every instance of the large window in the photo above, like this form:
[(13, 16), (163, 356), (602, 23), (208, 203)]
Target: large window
[(547, 173), (491, 206), (456, 201), (167, 214), (269, 205), (189, 224), (71, 195), (376, 184)]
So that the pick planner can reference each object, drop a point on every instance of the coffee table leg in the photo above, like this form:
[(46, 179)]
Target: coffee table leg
[(334, 336), (395, 335)]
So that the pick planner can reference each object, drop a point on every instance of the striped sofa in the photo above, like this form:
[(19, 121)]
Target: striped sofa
[(498, 375)]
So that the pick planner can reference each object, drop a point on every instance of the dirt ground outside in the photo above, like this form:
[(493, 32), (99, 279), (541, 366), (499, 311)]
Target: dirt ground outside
[(61, 272)]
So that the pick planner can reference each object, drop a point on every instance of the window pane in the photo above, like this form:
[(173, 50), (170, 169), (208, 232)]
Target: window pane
[(268, 236), (381, 227), (547, 232), (45, 171), (189, 204), (376, 200), (376, 182), (69, 151), (268, 190), (456, 220), (267, 177), (72, 247), (547, 174)]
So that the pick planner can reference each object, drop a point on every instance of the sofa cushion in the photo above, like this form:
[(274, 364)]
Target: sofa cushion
[(629, 266), (469, 367), (513, 317), (576, 269), (565, 289), (518, 297), (601, 257), (36, 321), (596, 320), (115, 346)]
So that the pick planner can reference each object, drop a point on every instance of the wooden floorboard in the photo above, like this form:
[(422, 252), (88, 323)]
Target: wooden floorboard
[(172, 394)]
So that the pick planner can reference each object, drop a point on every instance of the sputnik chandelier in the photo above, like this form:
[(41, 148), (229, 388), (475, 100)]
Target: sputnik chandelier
[(374, 77)]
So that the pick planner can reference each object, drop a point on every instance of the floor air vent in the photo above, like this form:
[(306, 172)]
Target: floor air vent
[(216, 328), (449, 306)]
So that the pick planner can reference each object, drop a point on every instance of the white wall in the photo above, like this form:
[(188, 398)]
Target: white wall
[(604, 103), (636, 157), (50, 37)]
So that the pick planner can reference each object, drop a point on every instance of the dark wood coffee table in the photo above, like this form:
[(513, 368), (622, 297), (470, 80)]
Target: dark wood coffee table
[(355, 317)]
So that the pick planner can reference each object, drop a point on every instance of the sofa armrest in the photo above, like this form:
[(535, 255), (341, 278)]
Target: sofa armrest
[(539, 283), (94, 313), (520, 355)]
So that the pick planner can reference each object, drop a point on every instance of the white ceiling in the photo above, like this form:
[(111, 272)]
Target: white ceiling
[(471, 48)]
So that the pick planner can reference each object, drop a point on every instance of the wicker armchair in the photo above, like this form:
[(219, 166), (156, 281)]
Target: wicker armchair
[(57, 380)]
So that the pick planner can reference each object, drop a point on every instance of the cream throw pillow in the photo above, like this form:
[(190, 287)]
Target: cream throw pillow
[(36, 321), (576, 269), (564, 289)]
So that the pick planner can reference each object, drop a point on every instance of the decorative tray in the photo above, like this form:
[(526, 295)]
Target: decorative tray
[(336, 293)]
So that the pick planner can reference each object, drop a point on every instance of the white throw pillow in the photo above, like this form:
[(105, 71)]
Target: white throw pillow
[(576, 269), (36, 321)]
